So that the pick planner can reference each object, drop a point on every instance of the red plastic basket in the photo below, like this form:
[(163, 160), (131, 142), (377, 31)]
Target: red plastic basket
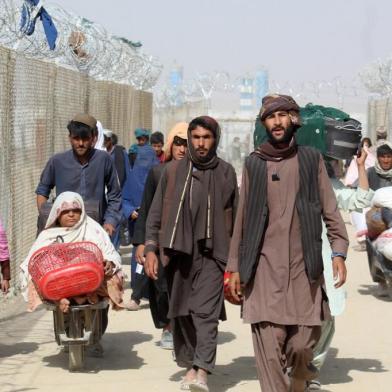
[(67, 270)]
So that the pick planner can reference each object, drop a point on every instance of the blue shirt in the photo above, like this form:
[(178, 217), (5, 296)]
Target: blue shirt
[(65, 173)]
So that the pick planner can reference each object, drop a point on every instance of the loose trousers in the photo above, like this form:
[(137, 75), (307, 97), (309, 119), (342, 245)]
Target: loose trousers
[(284, 355), (195, 341), (159, 299), (321, 350)]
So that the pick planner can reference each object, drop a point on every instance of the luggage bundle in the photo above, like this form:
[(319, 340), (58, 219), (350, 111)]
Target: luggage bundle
[(65, 270), (327, 129)]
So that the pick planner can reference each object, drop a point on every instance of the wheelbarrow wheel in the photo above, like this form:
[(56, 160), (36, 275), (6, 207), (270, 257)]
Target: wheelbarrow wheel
[(76, 357)]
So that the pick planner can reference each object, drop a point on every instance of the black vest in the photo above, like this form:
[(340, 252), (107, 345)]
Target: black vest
[(308, 208)]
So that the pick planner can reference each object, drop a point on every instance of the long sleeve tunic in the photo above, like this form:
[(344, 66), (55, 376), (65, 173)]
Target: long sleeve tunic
[(95, 180), (281, 292)]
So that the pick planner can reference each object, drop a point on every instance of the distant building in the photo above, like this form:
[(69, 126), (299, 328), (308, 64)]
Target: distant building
[(246, 94), (261, 86), (176, 77)]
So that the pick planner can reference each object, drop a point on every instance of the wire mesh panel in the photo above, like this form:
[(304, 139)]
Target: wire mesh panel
[(98, 101), (31, 97), (139, 112), (70, 95), (5, 113), (37, 100), (120, 109)]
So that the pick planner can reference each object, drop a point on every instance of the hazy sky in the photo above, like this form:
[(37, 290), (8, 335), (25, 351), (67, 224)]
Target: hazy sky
[(296, 40)]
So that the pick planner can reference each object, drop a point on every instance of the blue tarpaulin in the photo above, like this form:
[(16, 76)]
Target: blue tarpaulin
[(29, 19)]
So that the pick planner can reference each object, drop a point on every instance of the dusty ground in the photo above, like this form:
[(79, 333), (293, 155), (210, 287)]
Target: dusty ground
[(360, 359)]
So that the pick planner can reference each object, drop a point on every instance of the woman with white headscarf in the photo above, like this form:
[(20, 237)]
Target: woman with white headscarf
[(68, 220)]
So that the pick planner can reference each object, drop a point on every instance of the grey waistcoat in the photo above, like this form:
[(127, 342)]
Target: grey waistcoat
[(308, 208)]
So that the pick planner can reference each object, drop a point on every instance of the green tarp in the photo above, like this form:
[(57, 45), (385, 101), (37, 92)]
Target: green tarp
[(312, 131)]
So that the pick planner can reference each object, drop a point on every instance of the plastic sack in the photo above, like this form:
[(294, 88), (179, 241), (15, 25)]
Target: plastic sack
[(383, 197), (384, 243), (375, 223)]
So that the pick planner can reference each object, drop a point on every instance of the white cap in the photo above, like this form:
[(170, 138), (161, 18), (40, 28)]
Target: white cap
[(108, 132)]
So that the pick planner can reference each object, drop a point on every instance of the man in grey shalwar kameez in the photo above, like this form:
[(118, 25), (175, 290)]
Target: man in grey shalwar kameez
[(191, 221), (275, 255)]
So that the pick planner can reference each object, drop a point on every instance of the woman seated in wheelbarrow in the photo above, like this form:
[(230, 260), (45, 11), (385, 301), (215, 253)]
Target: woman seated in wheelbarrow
[(69, 223)]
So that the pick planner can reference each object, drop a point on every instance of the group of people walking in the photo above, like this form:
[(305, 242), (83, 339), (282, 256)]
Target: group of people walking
[(280, 238)]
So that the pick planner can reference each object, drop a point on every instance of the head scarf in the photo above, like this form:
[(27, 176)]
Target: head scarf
[(99, 145), (179, 130), (66, 202), (277, 102), (107, 133), (387, 147), (87, 229), (269, 152), (211, 160), (140, 132), (133, 188)]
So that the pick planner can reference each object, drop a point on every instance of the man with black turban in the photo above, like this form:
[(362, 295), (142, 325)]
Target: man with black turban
[(275, 256), (191, 221)]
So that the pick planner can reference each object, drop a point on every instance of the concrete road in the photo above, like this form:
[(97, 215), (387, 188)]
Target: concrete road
[(360, 358)]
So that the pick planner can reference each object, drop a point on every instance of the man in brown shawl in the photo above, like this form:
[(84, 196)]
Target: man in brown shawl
[(191, 221), (275, 254)]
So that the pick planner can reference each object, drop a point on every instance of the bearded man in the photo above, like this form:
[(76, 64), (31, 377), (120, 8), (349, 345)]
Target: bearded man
[(275, 254), (191, 220), (84, 170), (380, 175)]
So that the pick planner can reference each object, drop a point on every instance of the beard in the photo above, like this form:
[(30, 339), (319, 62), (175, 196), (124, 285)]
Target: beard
[(288, 135)]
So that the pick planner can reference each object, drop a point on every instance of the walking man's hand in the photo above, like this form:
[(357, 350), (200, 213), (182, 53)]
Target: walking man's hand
[(108, 268), (235, 286), (339, 271), (109, 228), (5, 286), (139, 255), (151, 265)]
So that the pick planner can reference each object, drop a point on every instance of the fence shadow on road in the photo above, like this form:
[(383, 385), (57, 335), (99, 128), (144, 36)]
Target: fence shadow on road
[(372, 289), (240, 371), (7, 387), (119, 353), (336, 370), (23, 348)]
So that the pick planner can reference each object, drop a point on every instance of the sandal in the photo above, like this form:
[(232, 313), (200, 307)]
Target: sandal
[(313, 385), (185, 385), (199, 386)]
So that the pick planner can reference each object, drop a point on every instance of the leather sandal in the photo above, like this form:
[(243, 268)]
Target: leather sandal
[(199, 386)]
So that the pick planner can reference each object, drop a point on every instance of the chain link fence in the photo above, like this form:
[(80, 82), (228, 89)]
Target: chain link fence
[(37, 100)]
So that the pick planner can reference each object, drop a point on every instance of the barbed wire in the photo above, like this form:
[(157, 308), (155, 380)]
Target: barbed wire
[(377, 77), (81, 44), (203, 85)]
